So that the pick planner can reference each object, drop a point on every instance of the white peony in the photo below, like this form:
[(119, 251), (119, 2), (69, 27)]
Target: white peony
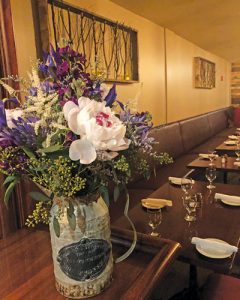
[(12, 114), (104, 90), (98, 127)]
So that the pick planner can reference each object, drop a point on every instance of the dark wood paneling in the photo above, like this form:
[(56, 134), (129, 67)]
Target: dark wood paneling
[(8, 61)]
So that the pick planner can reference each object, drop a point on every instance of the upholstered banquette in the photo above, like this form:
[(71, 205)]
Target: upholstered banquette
[(183, 140)]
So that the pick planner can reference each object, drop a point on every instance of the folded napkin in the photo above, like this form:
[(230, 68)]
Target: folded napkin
[(155, 203), (178, 180), (236, 163), (206, 156), (230, 142), (213, 245), (233, 199), (233, 137)]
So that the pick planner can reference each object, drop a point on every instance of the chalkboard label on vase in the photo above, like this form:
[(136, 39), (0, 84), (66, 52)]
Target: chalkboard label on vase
[(84, 260)]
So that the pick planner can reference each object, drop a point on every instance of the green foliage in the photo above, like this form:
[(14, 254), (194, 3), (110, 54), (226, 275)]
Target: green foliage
[(105, 194), (9, 190), (40, 214), (61, 176), (56, 226), (39, 196)]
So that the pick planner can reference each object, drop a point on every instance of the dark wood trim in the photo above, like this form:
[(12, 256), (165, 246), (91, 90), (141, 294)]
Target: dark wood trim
[(8, 42), (40, 21), (8, 60)]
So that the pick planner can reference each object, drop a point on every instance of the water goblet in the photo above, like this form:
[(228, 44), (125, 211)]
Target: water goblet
[(154, 219), (211, 174), (212, 156), (186, 185), (190, 204), (237, 151)]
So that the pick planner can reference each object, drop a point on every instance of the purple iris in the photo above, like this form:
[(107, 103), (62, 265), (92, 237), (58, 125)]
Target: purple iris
[(111, 96), (3, 120)]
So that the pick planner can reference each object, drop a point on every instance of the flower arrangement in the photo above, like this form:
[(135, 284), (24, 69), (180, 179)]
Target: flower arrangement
[(71, 135)]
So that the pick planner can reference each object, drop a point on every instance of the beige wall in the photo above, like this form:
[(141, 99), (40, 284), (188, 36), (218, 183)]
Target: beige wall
[(23, 34), (149, 93), (183, 100)]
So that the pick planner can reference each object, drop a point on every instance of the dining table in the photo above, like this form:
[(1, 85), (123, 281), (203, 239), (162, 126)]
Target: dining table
[(215, 219), (26, 267), (228, 166), (223, 148)]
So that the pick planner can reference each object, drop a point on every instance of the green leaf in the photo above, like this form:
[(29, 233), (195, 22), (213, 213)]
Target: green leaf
[(29, 153), (56, 226), (71, 208), (9, 179), (71, 219), (104, 193), (51, 149), (39, 196), (116, 193), (9, 191)]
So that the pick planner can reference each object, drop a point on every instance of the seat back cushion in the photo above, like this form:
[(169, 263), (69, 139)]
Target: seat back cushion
[(218, 121), (194, 131), (221, 287), (169, 139)]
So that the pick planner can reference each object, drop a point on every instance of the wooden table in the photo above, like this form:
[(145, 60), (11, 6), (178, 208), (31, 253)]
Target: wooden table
[(26, 269), (229, 166), (217, 221), (226, 149)]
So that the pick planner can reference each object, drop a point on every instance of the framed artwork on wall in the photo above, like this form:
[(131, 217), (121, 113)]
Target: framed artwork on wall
[(110, 48), (204, 73)]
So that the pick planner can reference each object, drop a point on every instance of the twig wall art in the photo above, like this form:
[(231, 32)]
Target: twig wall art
[(109, 47), (204, 73)]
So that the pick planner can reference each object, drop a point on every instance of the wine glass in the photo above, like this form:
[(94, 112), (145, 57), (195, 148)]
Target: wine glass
[(186, 185), (154, 219), (212, 156), (237, 151), (190, 204), (211, 174)]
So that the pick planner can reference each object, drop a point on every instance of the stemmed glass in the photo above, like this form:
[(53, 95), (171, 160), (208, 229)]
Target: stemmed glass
[(212, 156), (237, 151), (186, 185), (190, 204), (154, 219), (211, 174)]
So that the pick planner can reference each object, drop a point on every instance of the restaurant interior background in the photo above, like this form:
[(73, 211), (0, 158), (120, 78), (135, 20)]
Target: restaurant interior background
[(165, 86), (165, 56)]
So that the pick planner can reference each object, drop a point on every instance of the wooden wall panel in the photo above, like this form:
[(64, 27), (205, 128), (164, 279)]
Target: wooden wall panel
[(8, 216), (235, 83)]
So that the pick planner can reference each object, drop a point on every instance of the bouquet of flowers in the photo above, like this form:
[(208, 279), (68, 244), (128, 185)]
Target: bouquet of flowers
[(71, 135)]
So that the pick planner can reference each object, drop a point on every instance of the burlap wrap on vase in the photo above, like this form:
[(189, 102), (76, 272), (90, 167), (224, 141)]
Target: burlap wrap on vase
[(82, 258)]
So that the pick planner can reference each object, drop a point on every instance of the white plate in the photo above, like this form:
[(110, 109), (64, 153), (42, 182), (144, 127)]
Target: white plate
[(203, 156), (214, 254), (228, 202), (233, 137), (230, 143)]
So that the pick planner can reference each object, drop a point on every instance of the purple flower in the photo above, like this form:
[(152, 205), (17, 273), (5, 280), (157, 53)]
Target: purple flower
[(62, 69), (43, 68), (33, 91), (3, 121), (111, 96), (22, 134)]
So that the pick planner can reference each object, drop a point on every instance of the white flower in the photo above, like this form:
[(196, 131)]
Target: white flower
[(98, 127), (104, 90), (12, 114)]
